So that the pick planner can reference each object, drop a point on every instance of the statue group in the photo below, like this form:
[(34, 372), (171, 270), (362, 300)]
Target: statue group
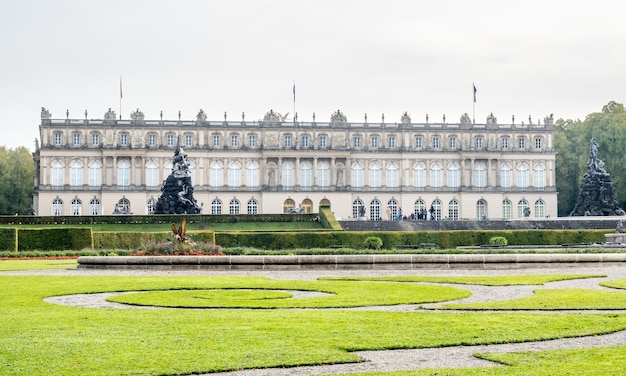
[(597, 193), (177, 196)]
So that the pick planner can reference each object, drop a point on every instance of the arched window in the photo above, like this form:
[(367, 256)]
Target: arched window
[(58, 173), (77, 207), (95, 207), (76, 174), (95, 174), (123, 173), (253, 206), (539, 178), (152, 174), (167, 169), (394, 212), (435, 175), (57, 206), (393, 179), (307, 205), (419, 207), (216, 206), (437, 209), (522, 176), (325, 202), (357, 175), (375, 210), (306, 174), (151, 205), (480, 175), (216, 171), (288, 174), (453, 175), (234, 174), (505, 175), (288, 205), (124, 205), (374, 175), (481, 209), (356, 208), (252, 174), (233, 206), (419, 175), (540, 209), (521, 208), (323, 174), (506, 209), (453, 210)]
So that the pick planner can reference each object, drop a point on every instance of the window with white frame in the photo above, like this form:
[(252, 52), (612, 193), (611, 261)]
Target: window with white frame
[(540, 209), (357, 142), (76, 139), (252, 140), (58, 138), (505, 143), (253, 206), (521, 208), (76, 174), (123, 173), (436, 142), (216, 174), (374, 175), (234, 174), (453, 210), (375, 210), (57, 206), (435, 175), (392, 142), (538, 142), (539, 180), (216, 140), (419, 175), (480, 175), (287, 140), (233, 206), (374, 142), (452, 142), (323, 141), (479, 140), (437, 207), (95, 174), (188, 140), (234, 140), (58, 174), (151, 205), (357, 175), (123, 139), (95, 139), (305, 141), (252, 174), (95, 207), (323, 174), (216, 207), (124, 205), (481, 209), (170, 140), (76, 207), (288, 174), (521, 143), (152, 174), (522, 176), (152, 140), (419, 206), (505, 175), (393, 177), (356, 208), (506, 209), (453, 175), (306, 174), (419, 142)]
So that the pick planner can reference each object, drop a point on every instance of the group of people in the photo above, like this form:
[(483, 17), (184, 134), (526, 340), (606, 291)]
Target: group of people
[(422, 215)]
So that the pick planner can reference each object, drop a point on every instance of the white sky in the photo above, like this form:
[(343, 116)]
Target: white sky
[(360, 56)]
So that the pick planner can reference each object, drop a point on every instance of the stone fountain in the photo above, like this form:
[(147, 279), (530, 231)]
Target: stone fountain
[(177, 196)]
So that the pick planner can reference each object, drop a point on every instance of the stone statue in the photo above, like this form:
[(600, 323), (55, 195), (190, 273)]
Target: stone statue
[(110, 115), (465, 119), (45, 114), (177, 196), (597, 193), (200, 117), (137, 116), (491, 119), (405, 119), (338, 117)]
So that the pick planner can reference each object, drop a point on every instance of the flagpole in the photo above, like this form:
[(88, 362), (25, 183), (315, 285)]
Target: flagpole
[(474, 105), (121, 97), (294, 101)]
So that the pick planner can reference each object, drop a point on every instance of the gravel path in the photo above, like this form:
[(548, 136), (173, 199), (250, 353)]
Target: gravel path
[(394, 360)]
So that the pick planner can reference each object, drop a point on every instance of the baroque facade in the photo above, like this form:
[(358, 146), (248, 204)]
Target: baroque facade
[(370, 169)]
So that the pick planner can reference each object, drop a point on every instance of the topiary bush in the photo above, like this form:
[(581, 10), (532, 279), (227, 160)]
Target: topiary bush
[(373, 242), (498, 240)]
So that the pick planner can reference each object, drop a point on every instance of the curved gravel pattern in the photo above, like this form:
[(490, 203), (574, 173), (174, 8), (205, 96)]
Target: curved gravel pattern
[(395, 360)]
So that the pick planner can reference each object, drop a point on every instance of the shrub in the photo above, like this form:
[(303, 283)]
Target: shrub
[(498, 240), (373, 242)]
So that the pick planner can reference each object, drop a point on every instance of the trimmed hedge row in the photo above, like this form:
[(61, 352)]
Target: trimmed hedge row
[(328, 220), (134, 240), (8, 239), (54, 239)]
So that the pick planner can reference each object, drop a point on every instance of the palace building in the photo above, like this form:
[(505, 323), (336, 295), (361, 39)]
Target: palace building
[(369, 169)]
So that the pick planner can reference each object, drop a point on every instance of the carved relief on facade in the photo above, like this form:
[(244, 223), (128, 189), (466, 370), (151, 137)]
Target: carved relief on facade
[(271, 139), (137, 138), (109, 137), (339, 141)]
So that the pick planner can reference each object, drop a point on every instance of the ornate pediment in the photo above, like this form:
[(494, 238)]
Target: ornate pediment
[(338, 117), (274, 117)]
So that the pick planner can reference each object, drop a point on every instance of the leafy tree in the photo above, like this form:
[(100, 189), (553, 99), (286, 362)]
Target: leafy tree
[(17, 176)]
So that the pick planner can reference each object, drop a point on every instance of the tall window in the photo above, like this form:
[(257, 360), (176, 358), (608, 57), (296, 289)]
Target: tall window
[(124, 205), (505, 175), (323, 174), (57, 207), (216, 207), (216, 172), (418, 142), (152, 139), (76, 174), (419, 205), (481, 209), (58, 173), (506, 209), (393, 209), (234, 174), (234, 140), (521, 208), (452, 142), (374, 175), (306, 174), (374, 142), (77, 207), (252, 174), (76, 139), (453, 175), (323, 142), (538, 143), (453, 210), (252, 140), (505, 143), (356, 208), (95, 139), (393, 179), (436, 144), (539, 180), (305, 141), (233, 206), (357, 175), (169, 139), (375, 210), (392, 142), (435, 175), (123, 139), (95, 174), (480, 175), (94, 207), (357, 141), (151, 205), (419, 175), (522, 176), (479, 142), (540, 209), (253, 206), (123, 174), (437, 205), (288, 174), (58, 138), (188, 140), (216, 140), (152, 174), (287, 140), (521, 142)]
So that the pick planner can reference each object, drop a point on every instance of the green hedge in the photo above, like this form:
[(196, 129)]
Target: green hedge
[(54, 239), (8, 239), (134, 240), (327, 219), (155, 219)]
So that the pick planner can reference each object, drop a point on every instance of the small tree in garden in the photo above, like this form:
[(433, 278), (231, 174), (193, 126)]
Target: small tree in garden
[(498, 240), (373, 242)]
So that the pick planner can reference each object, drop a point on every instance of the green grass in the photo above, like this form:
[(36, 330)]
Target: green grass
[(609, 361), (7, 265), (555, 300), (48, 339), (503, 280)]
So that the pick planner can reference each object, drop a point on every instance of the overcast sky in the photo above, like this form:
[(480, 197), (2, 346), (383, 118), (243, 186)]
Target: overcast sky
[(525, 58)]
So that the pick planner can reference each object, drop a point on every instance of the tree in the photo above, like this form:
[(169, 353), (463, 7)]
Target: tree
[(17, 177)]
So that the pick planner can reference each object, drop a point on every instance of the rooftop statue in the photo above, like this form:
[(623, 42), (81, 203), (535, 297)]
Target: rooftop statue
[(597, 193)]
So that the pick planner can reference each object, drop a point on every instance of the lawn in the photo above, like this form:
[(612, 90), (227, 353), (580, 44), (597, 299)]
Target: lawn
[(37, 264), (47, 339)]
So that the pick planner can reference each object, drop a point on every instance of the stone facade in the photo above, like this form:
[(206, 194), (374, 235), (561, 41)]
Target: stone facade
[(274, 165)]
